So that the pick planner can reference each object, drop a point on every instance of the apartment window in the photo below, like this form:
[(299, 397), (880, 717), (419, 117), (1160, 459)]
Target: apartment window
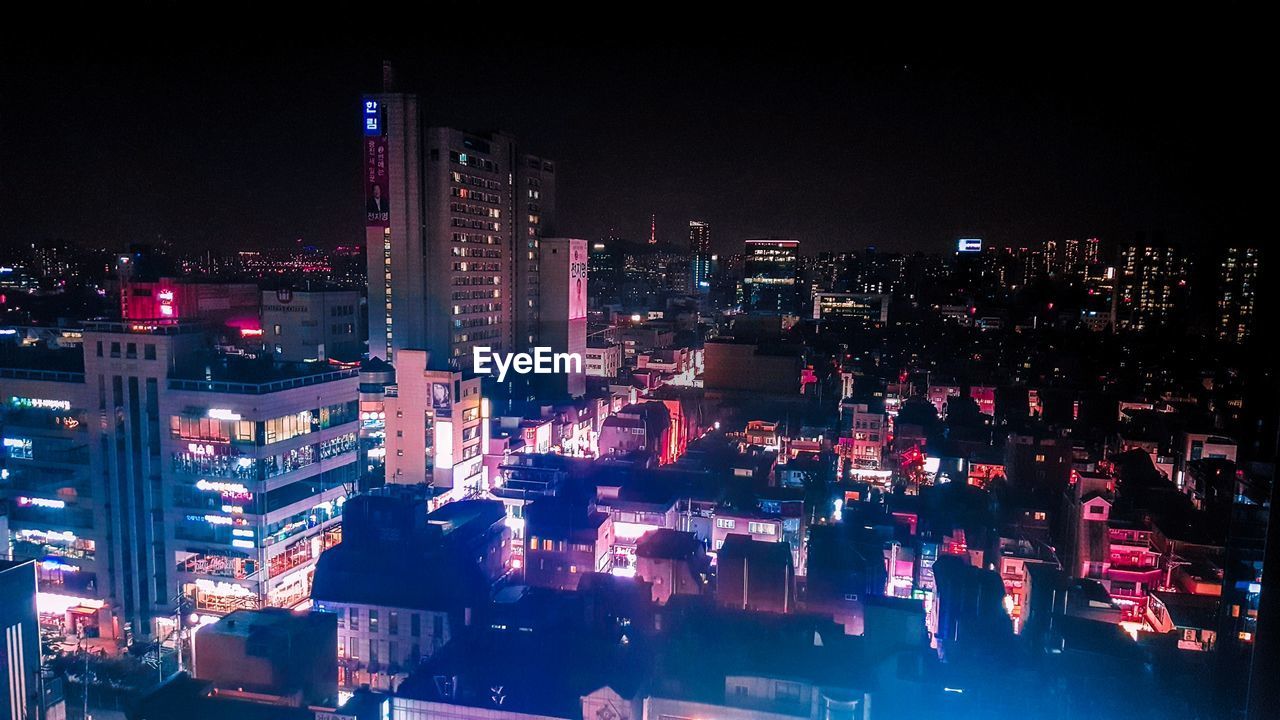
[(415, 625), (787, 692), (354, 619), (149, 351), (373, 620), (725, 523), (393, 624), (759, 528)]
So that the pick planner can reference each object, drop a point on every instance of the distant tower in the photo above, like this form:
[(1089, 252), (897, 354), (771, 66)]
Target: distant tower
[(653, 229)]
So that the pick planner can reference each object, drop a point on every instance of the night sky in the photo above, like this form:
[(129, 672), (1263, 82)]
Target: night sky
[(261, 149)]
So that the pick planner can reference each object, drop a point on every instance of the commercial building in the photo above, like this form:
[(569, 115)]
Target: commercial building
[(437, 427), (770, 280), (453, 230), (851, 306), (215, 477), (312, 325)]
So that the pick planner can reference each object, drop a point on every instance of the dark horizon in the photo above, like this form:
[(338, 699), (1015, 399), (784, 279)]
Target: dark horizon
[(249, 152)]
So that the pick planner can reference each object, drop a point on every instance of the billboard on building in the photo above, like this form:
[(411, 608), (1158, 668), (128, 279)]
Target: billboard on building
[(441, 398), (577, 279), (376, 189)]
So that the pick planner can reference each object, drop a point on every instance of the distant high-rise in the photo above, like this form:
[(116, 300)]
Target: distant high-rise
[(1237, 293), (770, 276), (1151, 276), (700, 252), (453, 226)]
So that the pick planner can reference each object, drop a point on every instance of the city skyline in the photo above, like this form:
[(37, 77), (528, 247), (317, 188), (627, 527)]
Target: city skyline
[(602, 409)]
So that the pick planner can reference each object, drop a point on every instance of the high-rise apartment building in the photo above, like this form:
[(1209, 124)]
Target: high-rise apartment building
[(1237, 293), (1149, 287), (453, 224)]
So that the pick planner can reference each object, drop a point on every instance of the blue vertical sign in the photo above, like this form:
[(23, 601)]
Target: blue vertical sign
[(372, 117)]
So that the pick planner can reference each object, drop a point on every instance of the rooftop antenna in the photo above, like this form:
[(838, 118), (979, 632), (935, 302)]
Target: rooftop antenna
[(653, 229)]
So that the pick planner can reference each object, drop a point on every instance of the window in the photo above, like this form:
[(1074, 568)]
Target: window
[(725, 523), (787, 692), (761, 528), (354, 619), (415, 625), (393, 624), (373, 620), (149, 351)]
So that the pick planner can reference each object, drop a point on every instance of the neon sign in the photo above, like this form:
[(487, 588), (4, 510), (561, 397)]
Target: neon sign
[(40, 403)]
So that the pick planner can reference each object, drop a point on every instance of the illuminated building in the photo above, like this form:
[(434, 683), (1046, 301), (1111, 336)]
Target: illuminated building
[(1151, 277), (400, 586), (229, 473), (635, 510), (564, 539), (672, 562), (233, 306), (769, 276), (1237, 293), (440, 205), (866, 426), (843, 306), (437, 428), (304, 325), (603, 359), (49, 486), (21, 659), (1098, 309), (700, 252), (640, 427)]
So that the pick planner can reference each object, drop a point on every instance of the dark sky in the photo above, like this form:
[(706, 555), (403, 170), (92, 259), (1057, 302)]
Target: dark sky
[(262, 148)]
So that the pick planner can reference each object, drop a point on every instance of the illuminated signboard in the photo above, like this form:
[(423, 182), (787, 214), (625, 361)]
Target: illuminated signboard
[(40, 403), (224, 488), (372, 118), (223, 414), (968, 245), (42, 503)]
